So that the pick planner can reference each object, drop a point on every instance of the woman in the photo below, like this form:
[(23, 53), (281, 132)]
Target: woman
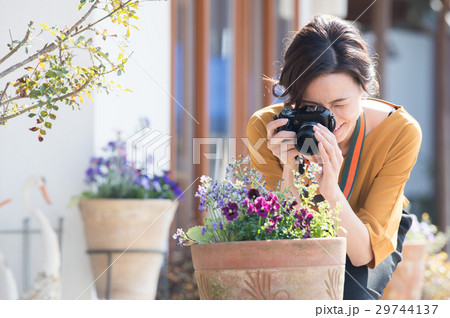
[(327, 64)]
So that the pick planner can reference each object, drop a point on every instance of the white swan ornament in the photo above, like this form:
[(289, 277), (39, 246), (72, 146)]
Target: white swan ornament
[(47, 284), (9, 290)]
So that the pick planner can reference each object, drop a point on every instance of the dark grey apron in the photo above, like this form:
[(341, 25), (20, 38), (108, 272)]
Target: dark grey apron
[(365, 283)]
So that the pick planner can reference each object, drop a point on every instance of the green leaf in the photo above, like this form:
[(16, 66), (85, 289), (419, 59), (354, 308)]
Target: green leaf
[(55, 107), (82, 3), (50, 74), (34, 93), (52, 116), (31, 115), (42, 132), (195, 233), (48, 125), (44, 113)]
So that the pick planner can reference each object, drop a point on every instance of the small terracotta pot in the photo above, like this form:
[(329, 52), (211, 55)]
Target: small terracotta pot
[(112, 225), (277, 269), (407, 281)]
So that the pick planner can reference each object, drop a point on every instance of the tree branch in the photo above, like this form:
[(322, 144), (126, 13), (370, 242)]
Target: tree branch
[(3, 95), (6, 102), (54, 100), (4, 92), (47, 48), (105, 17), (83, 18), (14, 50)]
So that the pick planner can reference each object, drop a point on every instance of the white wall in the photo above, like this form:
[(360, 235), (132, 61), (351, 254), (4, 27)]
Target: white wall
[(147, 75), (76, 135)]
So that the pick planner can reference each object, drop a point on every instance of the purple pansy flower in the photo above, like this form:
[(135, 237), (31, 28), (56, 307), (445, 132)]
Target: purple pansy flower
[(249, 206), (277, 218), (252, 194), (262, 208), (230, 211), (274, 207), (272, 226), (272, 199)]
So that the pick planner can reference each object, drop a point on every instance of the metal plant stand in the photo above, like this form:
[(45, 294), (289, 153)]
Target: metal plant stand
[(164, 282)]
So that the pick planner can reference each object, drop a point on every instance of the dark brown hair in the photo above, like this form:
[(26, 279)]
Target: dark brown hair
[(326, 45)]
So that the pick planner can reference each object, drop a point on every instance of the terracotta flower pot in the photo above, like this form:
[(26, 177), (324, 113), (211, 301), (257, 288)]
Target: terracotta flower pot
[(110, 226), (407, 281), (277, 269)]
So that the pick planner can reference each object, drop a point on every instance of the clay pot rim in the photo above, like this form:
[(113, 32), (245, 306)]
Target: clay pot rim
[(232, 255), (128, 200), (309, 240), (415, 243), (106, 201)]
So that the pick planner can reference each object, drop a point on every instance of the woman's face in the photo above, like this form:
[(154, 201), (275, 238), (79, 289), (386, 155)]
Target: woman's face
[(341, 94)]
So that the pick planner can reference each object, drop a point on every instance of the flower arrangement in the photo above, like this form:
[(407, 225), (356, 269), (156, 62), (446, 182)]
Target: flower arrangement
[(241, 209), (428, 232), (113, 176), (437, 265)]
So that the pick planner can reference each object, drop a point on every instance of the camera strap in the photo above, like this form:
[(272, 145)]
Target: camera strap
[(353, 156)]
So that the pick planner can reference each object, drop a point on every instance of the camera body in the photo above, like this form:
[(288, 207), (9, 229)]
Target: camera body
[(302, 121)]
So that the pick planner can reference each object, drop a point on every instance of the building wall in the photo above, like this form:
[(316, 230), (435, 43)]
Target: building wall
[(76, 135)]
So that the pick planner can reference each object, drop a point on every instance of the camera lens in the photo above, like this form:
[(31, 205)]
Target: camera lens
[(307, 143)]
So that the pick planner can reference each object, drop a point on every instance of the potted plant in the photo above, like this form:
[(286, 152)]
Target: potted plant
[(258, 244), (420, 255), (436, 281), (126, 216)]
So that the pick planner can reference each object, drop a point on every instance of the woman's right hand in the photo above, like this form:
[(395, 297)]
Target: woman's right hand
[(282, 144)]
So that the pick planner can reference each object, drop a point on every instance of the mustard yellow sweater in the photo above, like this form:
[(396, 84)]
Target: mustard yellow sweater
[(389, 154)]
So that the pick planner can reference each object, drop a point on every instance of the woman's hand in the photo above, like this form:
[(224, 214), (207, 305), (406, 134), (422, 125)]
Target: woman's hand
[(330, 159), (282, 144)]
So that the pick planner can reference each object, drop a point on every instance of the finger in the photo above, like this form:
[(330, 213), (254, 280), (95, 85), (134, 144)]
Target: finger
[(276, 140), (328, 148), (279, 149), (325, 158), (270, 127), (285, 134), (328, 135)]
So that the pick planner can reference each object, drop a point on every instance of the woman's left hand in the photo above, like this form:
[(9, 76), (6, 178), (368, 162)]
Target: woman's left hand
[(331, 160)]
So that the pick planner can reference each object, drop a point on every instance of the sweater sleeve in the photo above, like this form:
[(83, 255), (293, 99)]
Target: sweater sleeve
[(382, 210), (261, 157)]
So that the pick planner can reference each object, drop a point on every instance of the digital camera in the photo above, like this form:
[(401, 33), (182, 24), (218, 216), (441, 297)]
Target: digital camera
[(302, 121)]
